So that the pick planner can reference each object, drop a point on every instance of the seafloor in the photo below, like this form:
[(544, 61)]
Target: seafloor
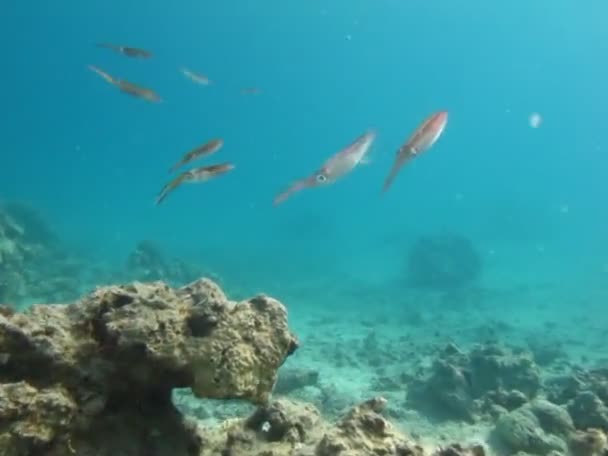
[(513, 363)]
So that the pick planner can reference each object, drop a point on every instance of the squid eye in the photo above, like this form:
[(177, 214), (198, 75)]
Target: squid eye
[(321, 178)]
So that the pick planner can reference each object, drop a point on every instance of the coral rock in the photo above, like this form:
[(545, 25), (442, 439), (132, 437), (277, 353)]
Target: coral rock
[(592, 442), (459, 450), (495, 367), (282, 427), (32, 418), (121, 350), (33, 264), (460, 385), (552, 418), (443, 262), (538, 428), (284, 420), (565, 388), (364, 431), (147, 263)]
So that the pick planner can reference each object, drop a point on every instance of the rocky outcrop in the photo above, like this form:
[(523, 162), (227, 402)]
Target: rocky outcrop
[(490, 380), (443, 262), (365, 431), (544, 428), (537, 428), (33, 263), (592, 442), (98, 374), (589, 411), (148, 263), (288, 428), (585, 394)]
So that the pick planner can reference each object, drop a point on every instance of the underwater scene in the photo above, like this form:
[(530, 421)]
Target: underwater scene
[(304, 228)]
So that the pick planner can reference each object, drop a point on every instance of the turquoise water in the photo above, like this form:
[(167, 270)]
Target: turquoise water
[(93, 159), (527, 206)]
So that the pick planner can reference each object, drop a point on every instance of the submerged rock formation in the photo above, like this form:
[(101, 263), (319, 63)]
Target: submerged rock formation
[(32, 261), (147, 263), (537, 428), (17, 251), (95, 377), (287, 428), (443, 262), (585, 394), (489, 380)]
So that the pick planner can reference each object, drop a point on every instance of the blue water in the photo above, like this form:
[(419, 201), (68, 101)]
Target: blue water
[(93, 159)]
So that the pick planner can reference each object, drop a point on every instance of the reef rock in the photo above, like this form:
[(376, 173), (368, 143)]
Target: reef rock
[(365, 431), (464, 385), (585, 393), (291, 428), (546, 352), (592, 442), (33, 264), (148, 263), (564, 388), (588, 410), (443, 262), (95, 377), (538, 428), (494, 367), (279, 428), (459, 450)]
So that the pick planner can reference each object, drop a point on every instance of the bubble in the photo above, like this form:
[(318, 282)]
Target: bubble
[(535, 120), (348, 37)]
